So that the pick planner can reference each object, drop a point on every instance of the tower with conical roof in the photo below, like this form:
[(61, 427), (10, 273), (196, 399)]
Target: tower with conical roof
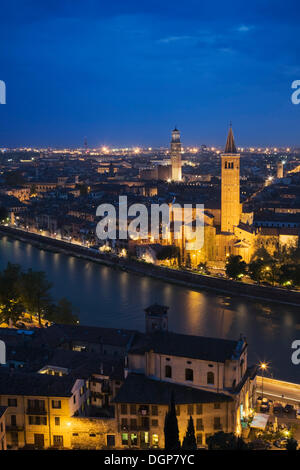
[(230, 185), (176, 155)]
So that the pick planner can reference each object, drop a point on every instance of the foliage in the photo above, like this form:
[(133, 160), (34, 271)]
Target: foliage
[(3, 213), (172, 442), (189, 441), (225, 441), (11, 306), (235, 267), (168, 252), (30, 292), (291, 444), (61, 313), (34, 290)]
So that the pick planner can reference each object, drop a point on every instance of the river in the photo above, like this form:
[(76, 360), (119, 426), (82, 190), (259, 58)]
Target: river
[(108, 297)]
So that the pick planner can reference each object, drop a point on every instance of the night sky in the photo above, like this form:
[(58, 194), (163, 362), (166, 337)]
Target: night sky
[(126, 72)]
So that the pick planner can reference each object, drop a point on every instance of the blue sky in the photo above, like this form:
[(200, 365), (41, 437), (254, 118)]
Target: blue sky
[(125, 72)]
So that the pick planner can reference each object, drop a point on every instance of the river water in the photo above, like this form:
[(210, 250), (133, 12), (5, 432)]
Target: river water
[(112, 298)]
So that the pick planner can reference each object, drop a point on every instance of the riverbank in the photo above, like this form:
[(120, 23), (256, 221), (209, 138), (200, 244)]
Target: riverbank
[(188, 279)]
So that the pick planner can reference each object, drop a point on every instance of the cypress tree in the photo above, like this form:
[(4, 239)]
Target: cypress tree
[(189, 441), (171, 428)]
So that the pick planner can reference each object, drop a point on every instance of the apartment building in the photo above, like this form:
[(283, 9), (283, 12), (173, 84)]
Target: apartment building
[(208, 377), (2, 428), (39, 408)]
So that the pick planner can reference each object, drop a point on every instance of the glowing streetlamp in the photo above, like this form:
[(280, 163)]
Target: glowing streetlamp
[(263, 366)]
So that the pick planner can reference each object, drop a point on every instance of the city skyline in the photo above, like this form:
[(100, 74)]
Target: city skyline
[(125, 74)]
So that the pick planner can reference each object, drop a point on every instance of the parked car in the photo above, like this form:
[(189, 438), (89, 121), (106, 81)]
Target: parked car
[(277, 408), (264, 407), (288, 408), (280, 443)]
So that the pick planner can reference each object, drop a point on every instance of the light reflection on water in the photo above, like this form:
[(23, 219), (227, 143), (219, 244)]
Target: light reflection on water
[(109, 297)]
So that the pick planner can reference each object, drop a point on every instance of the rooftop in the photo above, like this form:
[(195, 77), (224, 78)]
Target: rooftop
[(141, 389)]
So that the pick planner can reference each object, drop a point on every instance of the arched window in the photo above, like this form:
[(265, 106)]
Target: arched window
[(168, 372), (189, 374), (210, 378), (225, 164)]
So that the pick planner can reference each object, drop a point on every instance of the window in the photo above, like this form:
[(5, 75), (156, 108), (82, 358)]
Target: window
[(133, 409), (133, 423), (110, 439), (12, 402), (155, 439), (199, 409), (199, 439), (217, 423), (57, 421), (189, 375), (36, 405), (154, 410), (124, 437), (199, 424), (190, 410), (210, 378), (56, 404), (217, 406), (168, 372), (37, 420), (13, 420), (58, 441), (154, 422), (133, 439), (74, 398), (123, 409), (124, 422)]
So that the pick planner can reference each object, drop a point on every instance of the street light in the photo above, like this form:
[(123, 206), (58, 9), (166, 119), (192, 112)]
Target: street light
[(263, 366)]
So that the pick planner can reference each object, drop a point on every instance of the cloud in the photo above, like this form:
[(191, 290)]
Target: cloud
[(244, 28)]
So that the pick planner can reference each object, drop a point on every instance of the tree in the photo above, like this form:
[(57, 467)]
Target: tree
[(11, 306), (34, 291), (225, 441), (61, 313), (171, 428), (3, 213), (291, 444), (255, 270), (189, 441), (235, 267)]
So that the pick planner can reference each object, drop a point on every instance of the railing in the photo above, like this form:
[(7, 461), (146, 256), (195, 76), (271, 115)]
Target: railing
[(14, 427), (36, 411)]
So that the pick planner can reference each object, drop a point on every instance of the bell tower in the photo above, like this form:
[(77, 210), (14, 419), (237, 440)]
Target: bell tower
[(176, 155), (156, 318), (230, 186)]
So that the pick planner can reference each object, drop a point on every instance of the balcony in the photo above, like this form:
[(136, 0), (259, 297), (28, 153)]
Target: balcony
[(14, 428), (36, 411)]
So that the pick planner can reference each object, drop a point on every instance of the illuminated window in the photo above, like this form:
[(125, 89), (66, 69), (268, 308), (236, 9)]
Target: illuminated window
[(124, 439), (155, 439)]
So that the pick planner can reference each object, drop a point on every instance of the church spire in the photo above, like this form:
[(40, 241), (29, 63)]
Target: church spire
[(230, 144)]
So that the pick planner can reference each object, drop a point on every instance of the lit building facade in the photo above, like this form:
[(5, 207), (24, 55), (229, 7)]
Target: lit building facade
[(176, 155), (230, 186)]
